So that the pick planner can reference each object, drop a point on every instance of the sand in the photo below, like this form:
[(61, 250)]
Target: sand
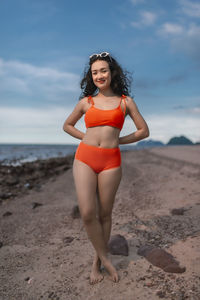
[(45, 253)]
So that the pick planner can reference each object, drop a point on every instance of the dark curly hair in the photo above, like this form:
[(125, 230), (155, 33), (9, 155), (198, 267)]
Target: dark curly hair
[(120, 79)]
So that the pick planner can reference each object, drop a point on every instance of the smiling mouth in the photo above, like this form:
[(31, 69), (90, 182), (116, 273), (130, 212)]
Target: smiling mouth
[(101, 81)]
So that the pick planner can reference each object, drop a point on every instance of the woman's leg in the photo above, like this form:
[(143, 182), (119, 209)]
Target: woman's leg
[(108, 183), (86, 184)]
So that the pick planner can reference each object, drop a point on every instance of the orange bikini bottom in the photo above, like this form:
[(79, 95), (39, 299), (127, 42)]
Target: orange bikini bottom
[(99, 159)]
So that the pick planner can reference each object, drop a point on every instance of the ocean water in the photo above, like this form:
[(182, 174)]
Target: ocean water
[(17, 154)]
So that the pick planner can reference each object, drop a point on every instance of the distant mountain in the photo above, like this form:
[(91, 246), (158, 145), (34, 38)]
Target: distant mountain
[(149, 143), (180, 140)]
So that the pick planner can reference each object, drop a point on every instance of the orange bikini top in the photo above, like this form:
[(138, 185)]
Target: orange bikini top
[(97, 117)]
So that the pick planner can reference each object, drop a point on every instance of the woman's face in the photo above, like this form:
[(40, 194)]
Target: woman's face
[(101, 74)]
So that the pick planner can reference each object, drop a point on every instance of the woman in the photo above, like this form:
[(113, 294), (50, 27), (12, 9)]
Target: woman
[(97, 163)]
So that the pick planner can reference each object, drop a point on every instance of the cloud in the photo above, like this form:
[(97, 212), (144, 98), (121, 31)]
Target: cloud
[(191, 110), (189, 42), (171, 29), (35, 125), (183, 39), (195, 110), (23, 80), (163, 127), (146, 18), (190, 8)]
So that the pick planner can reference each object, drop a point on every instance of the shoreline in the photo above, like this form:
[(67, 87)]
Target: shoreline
[(17, 180), (34, 154)]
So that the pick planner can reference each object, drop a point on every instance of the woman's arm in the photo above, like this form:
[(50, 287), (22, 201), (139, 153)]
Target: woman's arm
[(73, 119), (142, 128)]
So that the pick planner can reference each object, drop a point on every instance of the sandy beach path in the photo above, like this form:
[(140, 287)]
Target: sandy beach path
[(46, 253)]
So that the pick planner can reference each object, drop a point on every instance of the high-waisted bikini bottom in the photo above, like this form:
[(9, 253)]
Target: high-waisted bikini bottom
[(99, 159)]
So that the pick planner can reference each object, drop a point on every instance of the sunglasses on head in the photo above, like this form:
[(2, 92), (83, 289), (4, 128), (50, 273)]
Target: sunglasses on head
[(103, 54)]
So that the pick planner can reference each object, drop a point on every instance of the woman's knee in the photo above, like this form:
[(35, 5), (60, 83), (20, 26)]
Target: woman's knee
[(105, 216), (88, 215)]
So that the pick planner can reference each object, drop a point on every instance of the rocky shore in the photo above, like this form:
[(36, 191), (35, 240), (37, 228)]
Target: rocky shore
[(17, 180), (155, 244)]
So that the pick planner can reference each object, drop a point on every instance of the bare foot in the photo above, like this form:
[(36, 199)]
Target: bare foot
[(96, 275), (111, 269)]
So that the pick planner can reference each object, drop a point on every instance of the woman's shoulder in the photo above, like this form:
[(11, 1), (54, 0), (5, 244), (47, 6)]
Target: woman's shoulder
[(131, 105), (129, 100), (83, 104), (83, 100)]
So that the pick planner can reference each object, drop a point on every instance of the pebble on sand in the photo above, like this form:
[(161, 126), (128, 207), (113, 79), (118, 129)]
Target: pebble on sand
[(162, 259), (36, 204), (118, 245), (7, 213), (68, 239), (178, 211)]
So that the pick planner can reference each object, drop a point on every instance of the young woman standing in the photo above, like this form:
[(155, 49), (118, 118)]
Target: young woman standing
[(105, 102)]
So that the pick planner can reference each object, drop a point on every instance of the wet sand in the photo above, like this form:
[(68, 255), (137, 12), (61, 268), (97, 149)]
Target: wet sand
[(45, 253)]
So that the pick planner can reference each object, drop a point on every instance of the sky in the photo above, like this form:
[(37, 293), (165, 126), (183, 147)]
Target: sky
[(45, 46)]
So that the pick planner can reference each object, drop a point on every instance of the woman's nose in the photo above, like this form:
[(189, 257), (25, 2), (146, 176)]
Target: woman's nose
[(99, 76)]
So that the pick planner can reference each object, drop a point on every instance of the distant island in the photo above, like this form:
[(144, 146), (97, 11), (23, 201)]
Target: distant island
[(149, 143), (180, 140), (177, 140)]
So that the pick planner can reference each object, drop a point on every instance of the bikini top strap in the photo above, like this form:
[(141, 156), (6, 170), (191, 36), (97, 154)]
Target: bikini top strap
[(124, 98), (90, 100)]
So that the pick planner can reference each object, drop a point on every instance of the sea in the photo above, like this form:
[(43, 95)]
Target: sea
[(18, 154)]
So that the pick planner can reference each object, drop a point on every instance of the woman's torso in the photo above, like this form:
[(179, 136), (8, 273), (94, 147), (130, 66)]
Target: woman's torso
[(104, 136)]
